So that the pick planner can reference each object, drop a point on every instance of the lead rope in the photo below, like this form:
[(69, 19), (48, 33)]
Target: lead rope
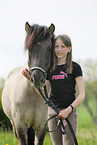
[(59, 125)]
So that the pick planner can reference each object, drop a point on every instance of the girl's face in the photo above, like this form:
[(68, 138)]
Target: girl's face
[(60, 49)]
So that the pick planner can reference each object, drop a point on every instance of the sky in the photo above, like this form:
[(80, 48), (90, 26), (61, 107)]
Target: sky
[(76, 18)]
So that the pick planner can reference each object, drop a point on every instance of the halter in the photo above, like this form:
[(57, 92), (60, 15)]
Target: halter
[(31, 69), (40, 69)]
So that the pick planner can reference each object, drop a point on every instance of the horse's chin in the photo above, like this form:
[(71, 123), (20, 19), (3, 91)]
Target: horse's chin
[(38, 85)]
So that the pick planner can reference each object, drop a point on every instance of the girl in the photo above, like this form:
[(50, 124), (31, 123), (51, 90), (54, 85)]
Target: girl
[(65, 76)]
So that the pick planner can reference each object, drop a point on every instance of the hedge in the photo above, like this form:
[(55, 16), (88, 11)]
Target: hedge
[(4, 121)]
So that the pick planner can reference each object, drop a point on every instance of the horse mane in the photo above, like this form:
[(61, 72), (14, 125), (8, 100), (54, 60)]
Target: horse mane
[(36, 34)]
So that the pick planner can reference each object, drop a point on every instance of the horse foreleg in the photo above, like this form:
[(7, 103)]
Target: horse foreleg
[(39, 137), (31, 136), (13, 126), (22, 136)]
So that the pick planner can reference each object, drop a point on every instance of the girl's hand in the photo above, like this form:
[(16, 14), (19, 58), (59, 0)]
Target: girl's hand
[(26, 73), (64, 113)]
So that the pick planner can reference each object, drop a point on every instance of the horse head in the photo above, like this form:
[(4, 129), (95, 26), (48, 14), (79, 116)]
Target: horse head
[(40, 45)]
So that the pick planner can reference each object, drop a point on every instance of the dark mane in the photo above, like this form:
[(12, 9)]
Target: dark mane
[(36, 34)]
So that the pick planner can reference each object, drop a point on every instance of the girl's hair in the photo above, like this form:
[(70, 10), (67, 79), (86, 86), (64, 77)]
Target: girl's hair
[(67, 42)]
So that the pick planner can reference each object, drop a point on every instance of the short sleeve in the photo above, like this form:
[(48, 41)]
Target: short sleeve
[(77, 70)]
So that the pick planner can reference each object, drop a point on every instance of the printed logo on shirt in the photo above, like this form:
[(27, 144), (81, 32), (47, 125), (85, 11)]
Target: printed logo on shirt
[(60, 77)]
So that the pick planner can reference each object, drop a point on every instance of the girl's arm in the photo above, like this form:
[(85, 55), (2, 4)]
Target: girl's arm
[(81, 92), (81, 95)]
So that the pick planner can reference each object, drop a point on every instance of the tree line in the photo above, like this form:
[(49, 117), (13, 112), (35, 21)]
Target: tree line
[(90, 78)]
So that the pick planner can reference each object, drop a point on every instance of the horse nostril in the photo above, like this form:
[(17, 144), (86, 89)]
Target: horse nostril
[(37, 78), (32, 80), (41, 80)]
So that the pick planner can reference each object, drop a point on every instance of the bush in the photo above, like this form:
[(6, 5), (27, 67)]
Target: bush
[(4, 121)]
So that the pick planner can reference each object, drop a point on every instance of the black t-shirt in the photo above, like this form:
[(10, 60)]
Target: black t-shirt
[(63, 85)]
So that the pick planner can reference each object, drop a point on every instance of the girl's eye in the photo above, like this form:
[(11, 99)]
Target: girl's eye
[(62, 46)]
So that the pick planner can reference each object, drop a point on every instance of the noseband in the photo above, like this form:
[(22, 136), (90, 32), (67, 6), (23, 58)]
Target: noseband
[(31, 69), (40, 69)]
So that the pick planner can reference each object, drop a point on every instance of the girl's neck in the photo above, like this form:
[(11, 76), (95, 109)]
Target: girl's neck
[(61, 61)]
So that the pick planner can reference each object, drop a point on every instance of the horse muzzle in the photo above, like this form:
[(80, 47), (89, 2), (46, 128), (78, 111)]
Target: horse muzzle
[(38, 76)]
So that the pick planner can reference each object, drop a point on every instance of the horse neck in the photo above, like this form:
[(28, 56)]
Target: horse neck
[(26, 65)]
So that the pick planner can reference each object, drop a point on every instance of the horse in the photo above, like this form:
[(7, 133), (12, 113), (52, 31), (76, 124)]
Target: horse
[(21, 102)]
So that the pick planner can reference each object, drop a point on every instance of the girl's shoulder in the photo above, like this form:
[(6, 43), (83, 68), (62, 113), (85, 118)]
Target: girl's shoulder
[(75, 64), (77, 70)]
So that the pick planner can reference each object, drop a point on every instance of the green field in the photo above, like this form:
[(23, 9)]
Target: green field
[(86, 134)]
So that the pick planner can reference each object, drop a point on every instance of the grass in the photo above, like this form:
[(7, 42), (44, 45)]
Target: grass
[(86, 134), (85, 137), (8, 138), (84, 118)]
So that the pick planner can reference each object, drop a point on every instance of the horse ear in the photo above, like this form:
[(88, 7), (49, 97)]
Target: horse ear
[(27, 26), (51, 28)]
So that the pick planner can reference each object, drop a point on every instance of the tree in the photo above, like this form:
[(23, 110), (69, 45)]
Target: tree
[(90, 75), (2, 81)]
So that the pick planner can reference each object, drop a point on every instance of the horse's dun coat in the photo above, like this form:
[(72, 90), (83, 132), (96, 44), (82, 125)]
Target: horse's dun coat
[(24, 107)]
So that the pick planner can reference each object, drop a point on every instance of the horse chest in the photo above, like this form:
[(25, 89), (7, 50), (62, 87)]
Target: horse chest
[(30, 108)]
